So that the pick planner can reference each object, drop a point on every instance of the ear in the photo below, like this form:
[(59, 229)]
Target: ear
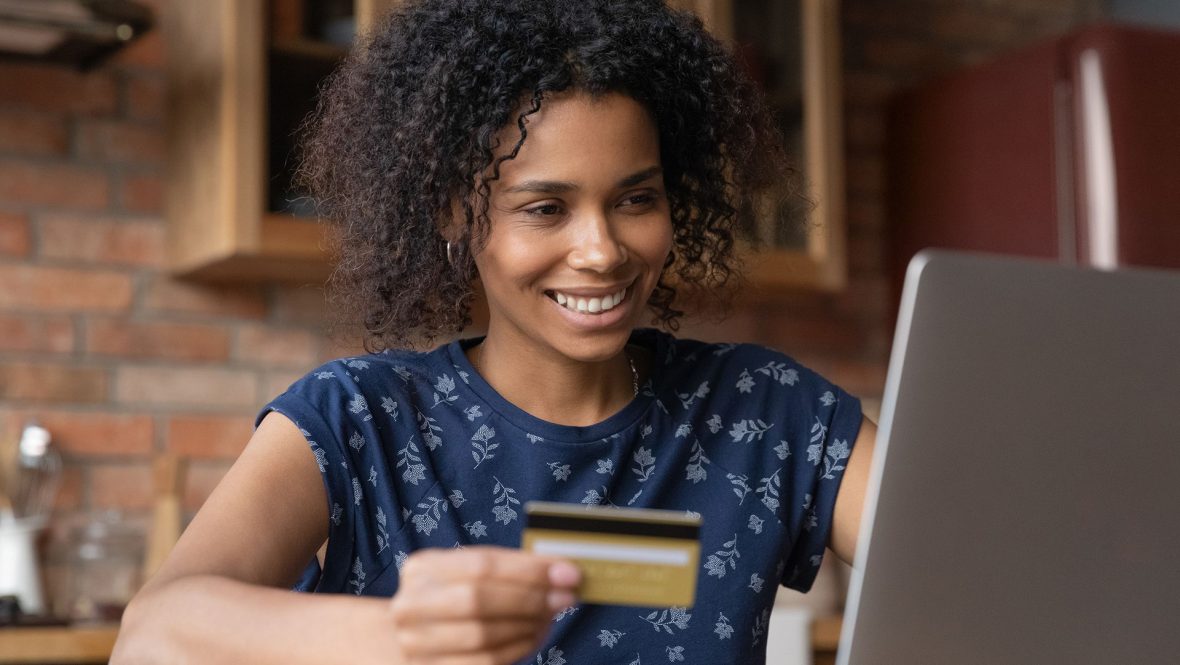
[(452, 224)]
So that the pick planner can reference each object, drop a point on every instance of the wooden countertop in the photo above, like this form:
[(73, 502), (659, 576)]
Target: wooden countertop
[(57, 644), (92, 644)]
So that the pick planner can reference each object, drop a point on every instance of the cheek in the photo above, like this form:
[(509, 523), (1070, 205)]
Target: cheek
[(507, 261), (658, 245)]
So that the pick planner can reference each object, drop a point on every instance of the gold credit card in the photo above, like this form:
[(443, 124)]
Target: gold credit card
[(628, 556)]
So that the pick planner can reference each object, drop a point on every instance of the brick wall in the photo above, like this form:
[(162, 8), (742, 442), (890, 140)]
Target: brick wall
[(119, 360), (113, 356)]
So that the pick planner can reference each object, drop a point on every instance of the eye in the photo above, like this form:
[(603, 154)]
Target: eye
[(639, 201), (544, 210)]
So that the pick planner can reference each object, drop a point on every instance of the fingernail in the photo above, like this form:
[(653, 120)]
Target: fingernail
[(559, 600), (564, 574)]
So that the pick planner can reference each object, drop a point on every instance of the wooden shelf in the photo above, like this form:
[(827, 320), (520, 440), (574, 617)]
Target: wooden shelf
[(219, 116)]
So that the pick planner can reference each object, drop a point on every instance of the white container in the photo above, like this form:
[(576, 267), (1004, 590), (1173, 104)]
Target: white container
[(19, 573)]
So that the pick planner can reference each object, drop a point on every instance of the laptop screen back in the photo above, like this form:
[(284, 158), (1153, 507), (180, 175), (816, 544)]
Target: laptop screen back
[(1024, 504)]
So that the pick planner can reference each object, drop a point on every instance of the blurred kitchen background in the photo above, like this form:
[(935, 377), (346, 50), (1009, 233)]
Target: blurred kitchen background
[(145, 365)]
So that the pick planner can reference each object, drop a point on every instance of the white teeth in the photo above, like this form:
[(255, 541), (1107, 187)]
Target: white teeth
[(590, 305)]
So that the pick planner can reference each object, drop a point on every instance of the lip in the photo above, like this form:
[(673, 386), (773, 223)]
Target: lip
[(592, 292)]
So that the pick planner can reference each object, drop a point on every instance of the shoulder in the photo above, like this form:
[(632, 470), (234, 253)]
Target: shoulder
[(371, 381), (685, 361)]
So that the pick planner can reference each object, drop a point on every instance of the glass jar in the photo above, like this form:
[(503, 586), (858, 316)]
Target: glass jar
[(104, 565)]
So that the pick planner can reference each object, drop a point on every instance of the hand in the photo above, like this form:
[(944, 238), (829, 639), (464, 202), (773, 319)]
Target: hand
[(479, 605)]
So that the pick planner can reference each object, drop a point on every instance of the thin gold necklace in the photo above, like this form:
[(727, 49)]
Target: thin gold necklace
[(477, 353)]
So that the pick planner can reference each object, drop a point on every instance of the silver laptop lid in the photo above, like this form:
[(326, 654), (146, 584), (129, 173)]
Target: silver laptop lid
[(1024, 503)]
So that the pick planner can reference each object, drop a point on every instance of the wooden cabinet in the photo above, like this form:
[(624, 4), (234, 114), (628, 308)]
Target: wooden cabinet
[(225, 100), (222, 59), (792, 48)]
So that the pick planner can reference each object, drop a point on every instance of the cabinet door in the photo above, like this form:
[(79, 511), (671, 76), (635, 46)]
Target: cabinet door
[(791, 47), (224, 223)]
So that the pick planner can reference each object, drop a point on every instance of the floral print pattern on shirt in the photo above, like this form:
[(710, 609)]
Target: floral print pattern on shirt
[(417, 451)]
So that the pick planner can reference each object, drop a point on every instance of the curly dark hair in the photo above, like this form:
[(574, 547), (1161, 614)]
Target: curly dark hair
[(407, 127)]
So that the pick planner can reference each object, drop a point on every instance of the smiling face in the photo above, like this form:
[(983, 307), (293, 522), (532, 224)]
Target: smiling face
[(579, 229)]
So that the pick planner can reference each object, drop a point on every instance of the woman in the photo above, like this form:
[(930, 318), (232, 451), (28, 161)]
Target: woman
[(586, 161)]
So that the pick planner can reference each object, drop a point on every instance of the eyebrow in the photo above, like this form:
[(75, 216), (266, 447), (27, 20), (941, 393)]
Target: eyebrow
[(563, 186)]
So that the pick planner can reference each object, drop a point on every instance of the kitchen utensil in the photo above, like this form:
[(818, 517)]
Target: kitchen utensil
[(38, 475)]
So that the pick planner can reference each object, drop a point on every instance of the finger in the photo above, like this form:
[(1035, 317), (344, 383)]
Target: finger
[(434, 567), (468, 635), (483, 600), (502, 655)]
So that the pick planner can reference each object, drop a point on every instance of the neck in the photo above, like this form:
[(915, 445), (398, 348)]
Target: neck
[(553, 387)]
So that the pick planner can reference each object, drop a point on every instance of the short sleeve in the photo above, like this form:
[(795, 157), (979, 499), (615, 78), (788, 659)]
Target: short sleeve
[(816, 467), (330, 409)]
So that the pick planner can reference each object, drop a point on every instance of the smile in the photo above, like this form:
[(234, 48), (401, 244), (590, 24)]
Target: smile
[(584, 305)]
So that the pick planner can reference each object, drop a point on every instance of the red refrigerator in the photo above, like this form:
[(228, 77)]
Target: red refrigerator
[(1069, 149)]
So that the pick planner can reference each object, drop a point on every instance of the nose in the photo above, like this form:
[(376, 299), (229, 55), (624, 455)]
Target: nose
[(596, 245)]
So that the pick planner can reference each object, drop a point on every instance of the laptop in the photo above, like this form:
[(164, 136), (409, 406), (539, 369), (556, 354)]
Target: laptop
[(1024, 502)]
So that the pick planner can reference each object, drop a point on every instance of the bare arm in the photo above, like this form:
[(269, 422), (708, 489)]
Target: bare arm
[(850, 501), (219, 596)]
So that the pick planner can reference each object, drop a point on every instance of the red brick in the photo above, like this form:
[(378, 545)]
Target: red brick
[(865, 253), (866, 173), (98, 433), (142, 192), (28, 133), (101, 240), (209, 436), (52, 383), (122, 486), (871, 15), (865, 129), (338, 346), (859, 377), (69, 491), (187, 387), (275, 347), (822, 334), (866, 213), (56, 185), (14, 235), (276, 383), (59, 89), (147, 52), (49, 334), (169, 295), (36, 287), (304, 305), (145, 97), (201, 478), (177, 341), (120, 142), (741, 324), (964, 24), (907, 54), (867, 296), (868, 88)]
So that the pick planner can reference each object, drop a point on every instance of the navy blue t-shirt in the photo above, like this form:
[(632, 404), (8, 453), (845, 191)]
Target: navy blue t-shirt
[(417, 450)]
